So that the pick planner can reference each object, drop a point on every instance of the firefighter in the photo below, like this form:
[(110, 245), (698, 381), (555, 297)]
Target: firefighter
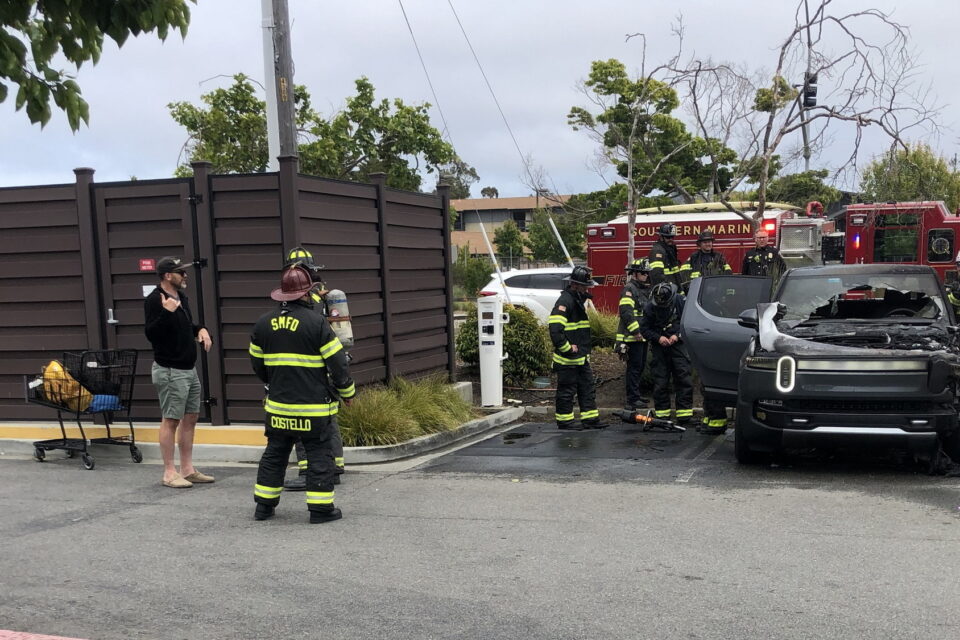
[(570, 334), (664, 264), (296, 353), (953, 290), (298, 256), (705, 261), (660, 325), (764, 259), (630, 343)]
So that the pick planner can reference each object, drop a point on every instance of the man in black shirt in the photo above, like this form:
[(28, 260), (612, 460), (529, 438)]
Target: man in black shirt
[(174, 336), (764, 259)]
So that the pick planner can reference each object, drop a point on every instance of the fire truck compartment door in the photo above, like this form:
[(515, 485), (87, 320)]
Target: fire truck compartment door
[(714, 338)]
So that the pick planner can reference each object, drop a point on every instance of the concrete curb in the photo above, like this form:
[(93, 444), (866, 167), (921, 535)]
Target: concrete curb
[(548, 411), (208, 453)]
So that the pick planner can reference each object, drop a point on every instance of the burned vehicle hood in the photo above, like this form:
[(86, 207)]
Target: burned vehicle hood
[(855, 337)]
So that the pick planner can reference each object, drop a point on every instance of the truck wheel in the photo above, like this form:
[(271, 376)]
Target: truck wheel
[(741, 450)]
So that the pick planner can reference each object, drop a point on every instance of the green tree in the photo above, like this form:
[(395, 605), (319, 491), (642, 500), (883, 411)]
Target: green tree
[(800, 188), (33, 34), (366, 137), (605, 205), (459, 175), (543, 243), (470, 272), (914, 173), (489, 192), (509, 241), (648, 146)]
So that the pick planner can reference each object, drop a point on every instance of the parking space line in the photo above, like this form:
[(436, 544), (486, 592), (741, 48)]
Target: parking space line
[(703, 455)]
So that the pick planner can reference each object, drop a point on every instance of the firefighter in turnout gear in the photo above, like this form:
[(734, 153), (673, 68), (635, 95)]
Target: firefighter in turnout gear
[(660, 325), (298, 256), (705, 261), (630, 344), (764, 259), (953, 291), (664, 264), (296, 353), (570, 334)]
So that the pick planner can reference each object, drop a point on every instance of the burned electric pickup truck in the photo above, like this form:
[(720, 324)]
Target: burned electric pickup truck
[(838, 355)]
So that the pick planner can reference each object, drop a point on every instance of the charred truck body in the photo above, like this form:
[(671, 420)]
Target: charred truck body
[(842, 355)]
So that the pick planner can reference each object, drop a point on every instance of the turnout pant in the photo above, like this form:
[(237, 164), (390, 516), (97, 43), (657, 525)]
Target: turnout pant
[(668, 363), (320, 469), (576, 382), (636, 362), (714, 413), (336, 442)]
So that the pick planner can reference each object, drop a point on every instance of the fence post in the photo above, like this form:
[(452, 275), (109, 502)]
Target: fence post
[(289, 202), (380, 181), (444, 191), (207, 248), (92, 300)]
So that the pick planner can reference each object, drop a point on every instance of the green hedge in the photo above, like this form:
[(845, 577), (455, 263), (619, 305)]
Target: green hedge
[(525, 341)]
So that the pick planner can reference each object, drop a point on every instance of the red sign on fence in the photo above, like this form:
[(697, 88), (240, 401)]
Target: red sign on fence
[(148, 264)]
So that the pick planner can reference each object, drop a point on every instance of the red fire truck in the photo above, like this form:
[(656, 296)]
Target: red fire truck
[(607, 243)]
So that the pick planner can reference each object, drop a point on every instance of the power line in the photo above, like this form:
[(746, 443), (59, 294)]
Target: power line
[(423, 64), (516, 144)]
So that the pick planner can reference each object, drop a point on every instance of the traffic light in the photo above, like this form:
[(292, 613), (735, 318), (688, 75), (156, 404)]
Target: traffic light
[(809, 90)]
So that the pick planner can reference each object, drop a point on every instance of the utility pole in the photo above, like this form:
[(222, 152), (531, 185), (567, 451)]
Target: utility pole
[(269, 82), (278, 63), (806, 84)]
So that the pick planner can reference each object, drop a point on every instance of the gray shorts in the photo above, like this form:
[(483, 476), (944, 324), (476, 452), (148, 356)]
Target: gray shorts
[(179, 390)]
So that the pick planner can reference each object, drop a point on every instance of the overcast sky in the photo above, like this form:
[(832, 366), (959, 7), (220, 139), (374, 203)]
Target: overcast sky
[(533, 52)]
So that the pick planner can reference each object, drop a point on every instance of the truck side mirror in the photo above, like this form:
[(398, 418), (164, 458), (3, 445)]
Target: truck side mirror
[(748, 319)]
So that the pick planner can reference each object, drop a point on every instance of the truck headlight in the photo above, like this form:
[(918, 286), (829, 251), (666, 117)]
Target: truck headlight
[(786, 374)]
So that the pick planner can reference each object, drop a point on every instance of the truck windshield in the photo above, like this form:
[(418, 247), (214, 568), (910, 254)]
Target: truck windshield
[(867, 297)]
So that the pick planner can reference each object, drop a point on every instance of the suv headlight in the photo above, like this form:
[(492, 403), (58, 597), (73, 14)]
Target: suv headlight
[(768, 363)]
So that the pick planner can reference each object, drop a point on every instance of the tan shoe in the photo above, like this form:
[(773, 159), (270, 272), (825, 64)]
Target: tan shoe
[(198, 478), (178, 482)]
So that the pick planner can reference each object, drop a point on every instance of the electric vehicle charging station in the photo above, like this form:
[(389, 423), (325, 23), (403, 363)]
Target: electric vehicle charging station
[(490, 321)]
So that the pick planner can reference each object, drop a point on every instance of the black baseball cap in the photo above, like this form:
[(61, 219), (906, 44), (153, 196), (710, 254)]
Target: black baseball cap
[(170, 264)]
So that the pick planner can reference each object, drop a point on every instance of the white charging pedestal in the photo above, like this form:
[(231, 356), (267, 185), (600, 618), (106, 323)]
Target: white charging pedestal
[(490, 321)]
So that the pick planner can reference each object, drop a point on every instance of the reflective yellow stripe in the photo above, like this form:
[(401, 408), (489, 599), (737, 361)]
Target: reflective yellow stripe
[(629, 301), (338, 462), (319, 497), (573, 326), (293, 360), (694, 274), (557, 320), (348, 392), (656, 264), (563, 417), (303, 253), (726, 267), (576, 361), (331, 348), (718, 422), (269, 493), (255, 351), (662, 413), (302, 464), (633, 327), (685, 267), (669, 271), (566, 346), (684, 413), (589, 415), (300, 410)]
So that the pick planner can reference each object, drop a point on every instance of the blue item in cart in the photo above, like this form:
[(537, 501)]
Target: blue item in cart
[(102, 402)]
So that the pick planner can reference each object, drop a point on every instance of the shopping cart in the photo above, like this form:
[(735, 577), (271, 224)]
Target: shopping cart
[(87, 383)]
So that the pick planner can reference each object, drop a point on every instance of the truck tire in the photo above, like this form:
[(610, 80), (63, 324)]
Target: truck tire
[(741, 449)]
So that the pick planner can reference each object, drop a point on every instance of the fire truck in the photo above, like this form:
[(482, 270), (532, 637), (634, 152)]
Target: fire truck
[(892, 232), (607, 242)]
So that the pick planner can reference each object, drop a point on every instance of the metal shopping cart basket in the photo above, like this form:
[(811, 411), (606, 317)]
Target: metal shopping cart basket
[(84, 384)]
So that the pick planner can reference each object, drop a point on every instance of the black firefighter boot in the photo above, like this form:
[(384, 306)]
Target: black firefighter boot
[(299, 483), (327, 515), (263, 511)]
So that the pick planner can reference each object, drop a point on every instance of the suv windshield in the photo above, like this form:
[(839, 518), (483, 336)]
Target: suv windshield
[(873, 297)]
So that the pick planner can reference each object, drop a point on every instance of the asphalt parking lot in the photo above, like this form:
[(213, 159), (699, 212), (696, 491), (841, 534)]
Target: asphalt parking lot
[(529, 533)]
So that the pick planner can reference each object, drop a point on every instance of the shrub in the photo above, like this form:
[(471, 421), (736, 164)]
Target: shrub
[(525, 341), (603, 328), (470, 273), (402, 411)]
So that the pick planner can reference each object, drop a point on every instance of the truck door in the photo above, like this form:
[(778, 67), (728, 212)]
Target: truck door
[(714, 338)]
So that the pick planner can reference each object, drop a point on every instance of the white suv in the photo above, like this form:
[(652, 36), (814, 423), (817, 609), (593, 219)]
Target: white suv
[(535, 289)]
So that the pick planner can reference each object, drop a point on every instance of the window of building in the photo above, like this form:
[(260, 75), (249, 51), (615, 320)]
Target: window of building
[(520, 217)]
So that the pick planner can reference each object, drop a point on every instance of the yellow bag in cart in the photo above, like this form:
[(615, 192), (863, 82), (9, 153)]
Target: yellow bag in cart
[(61, 388)]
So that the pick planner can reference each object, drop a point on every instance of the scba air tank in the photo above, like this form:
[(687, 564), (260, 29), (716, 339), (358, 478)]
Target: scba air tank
[(338, 314)]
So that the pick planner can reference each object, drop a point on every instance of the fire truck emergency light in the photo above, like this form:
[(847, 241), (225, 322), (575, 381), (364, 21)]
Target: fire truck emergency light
[(769, 226), (856, 241)]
